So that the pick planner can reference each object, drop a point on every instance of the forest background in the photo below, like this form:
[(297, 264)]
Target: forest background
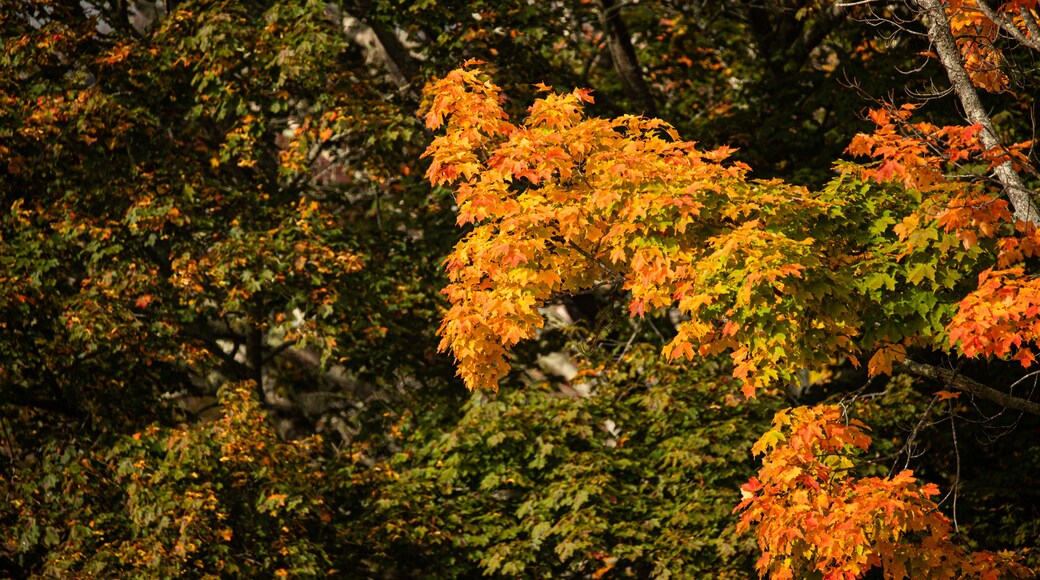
[(741, 288)]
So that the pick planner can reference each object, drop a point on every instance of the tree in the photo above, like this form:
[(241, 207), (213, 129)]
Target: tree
[(781, 277), (638, 479), (181, 494), (221, 263), (812, 516), (191, 203)]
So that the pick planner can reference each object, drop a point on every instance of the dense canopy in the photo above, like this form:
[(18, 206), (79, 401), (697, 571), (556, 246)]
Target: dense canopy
[(574, 288)]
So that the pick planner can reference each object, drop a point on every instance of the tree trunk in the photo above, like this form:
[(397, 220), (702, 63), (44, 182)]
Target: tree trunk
[(624, 57)]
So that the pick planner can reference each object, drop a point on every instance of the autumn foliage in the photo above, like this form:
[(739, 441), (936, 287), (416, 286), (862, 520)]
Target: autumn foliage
[(564, 203), (944, 165), (225, 228), (811, 513), (778, 276)]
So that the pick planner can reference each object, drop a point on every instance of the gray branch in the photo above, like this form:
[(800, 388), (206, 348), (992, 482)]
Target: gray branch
[(950, 56), (963, 383), (1030, 22), (1001, 19)]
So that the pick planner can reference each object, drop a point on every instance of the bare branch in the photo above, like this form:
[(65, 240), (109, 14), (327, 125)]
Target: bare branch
[(1030, 22), (950, 56), (957, 455), (963, 383), (1001, 19), (908, 446)]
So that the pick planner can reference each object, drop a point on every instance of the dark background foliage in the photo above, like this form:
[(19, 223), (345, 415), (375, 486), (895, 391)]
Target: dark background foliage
[(220, 274)]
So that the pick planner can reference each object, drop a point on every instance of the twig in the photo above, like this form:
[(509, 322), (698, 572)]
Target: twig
[(617, 275), (631, 339), (908, 446), (945, 46)]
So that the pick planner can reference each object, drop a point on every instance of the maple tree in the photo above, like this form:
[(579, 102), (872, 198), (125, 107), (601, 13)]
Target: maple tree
[(182, 489), (657, 455), (772, 273), (768, 271), (178, 221)]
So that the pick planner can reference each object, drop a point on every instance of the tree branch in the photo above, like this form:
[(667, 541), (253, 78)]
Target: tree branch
[(402, 67), (1030, 22), (815, 32), (255, 353), (950, 56), (1001, 19), (963, 383), (18, 397)]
